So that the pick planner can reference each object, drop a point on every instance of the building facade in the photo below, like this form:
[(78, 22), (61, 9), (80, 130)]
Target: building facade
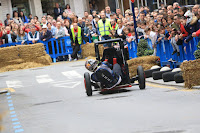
[(44, 7)]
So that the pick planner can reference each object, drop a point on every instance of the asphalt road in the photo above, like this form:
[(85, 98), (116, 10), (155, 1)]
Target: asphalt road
[(53, 100)]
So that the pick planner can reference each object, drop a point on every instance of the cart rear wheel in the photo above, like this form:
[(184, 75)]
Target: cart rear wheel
[(88, 85), (141, 77)]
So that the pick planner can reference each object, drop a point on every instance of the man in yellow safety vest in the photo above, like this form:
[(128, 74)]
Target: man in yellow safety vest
[(104, 29), (77, 37)]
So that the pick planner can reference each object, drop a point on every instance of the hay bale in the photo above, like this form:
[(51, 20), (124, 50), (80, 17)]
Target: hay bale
[(89, 50), (45, 60), (9, 54), (29, 52), (146, 62), (133, 68), (12, 62), (191, 73), (26, 65), (24, 57)]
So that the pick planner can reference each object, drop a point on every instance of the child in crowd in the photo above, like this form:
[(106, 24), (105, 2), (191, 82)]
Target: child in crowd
[(91, 32)]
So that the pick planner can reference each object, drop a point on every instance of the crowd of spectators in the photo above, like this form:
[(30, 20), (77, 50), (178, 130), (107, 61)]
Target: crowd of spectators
[(172, 22)]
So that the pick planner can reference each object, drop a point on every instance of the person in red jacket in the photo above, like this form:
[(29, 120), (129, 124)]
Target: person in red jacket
[(196, 34), (27, 29)]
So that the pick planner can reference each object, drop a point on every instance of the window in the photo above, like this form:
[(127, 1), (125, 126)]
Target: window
[(49, 5), (21, 5)]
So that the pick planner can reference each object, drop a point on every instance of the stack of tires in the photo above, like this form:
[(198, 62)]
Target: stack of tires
[(165, 73)]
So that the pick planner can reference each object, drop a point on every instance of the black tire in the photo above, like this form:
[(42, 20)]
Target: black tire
[(179, 78), (141, 77), (158, 75), (169, 76), (148, 73), (88, 85)]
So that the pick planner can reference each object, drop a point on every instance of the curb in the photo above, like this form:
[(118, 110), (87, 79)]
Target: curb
[(150, 80)]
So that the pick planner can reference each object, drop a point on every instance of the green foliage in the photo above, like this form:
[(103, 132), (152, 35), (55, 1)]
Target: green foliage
[(197, 52), (143, 48)]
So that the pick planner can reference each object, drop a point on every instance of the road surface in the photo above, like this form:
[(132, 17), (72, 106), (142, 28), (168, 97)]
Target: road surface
[(53, 100)]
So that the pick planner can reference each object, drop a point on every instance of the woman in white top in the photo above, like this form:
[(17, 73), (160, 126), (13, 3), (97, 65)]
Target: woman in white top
[(68, 9), (16, 18)]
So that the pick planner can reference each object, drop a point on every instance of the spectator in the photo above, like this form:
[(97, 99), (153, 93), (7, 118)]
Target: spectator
[(67, 25), (60, 32), (44, 21), (57, 11), (92, 32), (86, 14), (33, 35), (81, 23), (195, 9), (92, 21), (114, 24), (22, 36), (169, 7), (9, 36), (36, 19), (176, 5), (118, 11), (141, 17), (77, 38), (23, 17), (16, 18), (7, 21), (52, 29), (104, 28), (176, 11), (94, 14), (108, 12), (30, 17), (120, 32), (1, 33), (68, 9), (45, 34), (170, 13), (65, 29)]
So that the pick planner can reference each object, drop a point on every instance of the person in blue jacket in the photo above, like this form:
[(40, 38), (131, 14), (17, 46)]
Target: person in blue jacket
[(23, 17)]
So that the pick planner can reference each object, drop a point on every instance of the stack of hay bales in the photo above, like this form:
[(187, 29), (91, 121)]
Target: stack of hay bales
[(146, 62), (88, 50), (23, 57), (191, 73)]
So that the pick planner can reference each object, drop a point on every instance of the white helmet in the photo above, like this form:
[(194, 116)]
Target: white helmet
[(91, 65)]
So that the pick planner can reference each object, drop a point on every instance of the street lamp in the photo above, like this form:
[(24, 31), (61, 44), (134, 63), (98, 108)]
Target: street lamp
[(135, 23)]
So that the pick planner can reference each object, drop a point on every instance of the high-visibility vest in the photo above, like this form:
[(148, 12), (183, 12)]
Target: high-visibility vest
[(79, 37), (104, 28), (116, 27)]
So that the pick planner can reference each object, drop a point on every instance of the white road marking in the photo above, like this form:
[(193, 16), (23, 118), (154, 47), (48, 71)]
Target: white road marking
[(72, 74), (14, 84), (66, 84), (44, 79)]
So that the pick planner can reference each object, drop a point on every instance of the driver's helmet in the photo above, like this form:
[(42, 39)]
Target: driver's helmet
[(91, 65)]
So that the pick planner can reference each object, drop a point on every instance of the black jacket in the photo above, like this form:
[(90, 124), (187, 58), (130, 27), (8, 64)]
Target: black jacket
[(47, 36), (56, 13), (5, 36)]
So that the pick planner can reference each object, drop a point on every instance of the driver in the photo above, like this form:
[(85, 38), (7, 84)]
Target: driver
[(103, 73)]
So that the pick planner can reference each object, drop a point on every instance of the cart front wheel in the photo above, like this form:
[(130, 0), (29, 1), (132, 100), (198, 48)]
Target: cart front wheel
[(88, 85), (141, 77)]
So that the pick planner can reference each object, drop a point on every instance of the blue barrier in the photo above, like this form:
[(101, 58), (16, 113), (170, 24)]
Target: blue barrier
[(54, 47), (165, 50)]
